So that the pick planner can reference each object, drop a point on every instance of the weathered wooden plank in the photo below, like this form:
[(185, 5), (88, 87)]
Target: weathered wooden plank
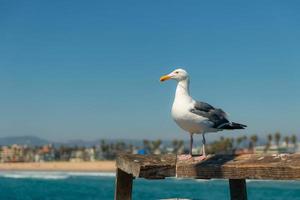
[(238, 190), (251, 166), (123, 185), (149, 166)]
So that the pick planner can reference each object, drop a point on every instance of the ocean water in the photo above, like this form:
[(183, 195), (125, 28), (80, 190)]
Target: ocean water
[(92, 186)]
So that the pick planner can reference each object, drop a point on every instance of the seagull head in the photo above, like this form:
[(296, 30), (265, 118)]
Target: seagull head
[(177, 74)]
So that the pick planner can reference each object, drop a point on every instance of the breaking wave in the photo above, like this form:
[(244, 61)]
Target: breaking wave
[(51, 175)]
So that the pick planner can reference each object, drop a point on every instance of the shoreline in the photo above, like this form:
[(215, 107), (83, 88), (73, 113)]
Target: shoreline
[(96, 166)]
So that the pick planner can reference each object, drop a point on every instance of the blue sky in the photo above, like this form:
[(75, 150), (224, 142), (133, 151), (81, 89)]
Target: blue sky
[(78, 69)]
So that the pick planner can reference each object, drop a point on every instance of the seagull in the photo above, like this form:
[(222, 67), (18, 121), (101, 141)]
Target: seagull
[(193, 116)]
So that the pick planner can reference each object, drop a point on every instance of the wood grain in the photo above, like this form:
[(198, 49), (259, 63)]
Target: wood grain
[(250, 166), (150, 166), (123, 187)]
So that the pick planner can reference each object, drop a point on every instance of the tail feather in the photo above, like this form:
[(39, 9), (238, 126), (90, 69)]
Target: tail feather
[(232, 125)]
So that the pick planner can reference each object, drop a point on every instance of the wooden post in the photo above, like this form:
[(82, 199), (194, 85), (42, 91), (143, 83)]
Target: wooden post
[(238, 190), (123, 187), (233, 167)]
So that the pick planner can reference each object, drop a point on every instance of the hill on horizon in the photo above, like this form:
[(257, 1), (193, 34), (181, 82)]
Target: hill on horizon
[(24, 140), (37, 141)]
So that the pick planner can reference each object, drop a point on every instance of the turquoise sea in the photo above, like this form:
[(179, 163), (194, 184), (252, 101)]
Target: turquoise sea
[(92, 186)]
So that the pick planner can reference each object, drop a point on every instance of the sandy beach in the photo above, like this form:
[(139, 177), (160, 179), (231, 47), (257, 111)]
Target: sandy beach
[(97, 166)]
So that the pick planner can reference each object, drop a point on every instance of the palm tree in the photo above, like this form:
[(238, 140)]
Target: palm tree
[(277, 138), (238, 141), (180, 146), (287, 140), (253, 140), (175, 145), (156, 146), (224, 145), (268, 145), (270, 138), (147, 146), (294, 141), (244, 139), (120, 146), (229, 144)]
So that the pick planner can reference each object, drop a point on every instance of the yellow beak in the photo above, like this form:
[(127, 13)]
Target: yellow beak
[(164, 78)]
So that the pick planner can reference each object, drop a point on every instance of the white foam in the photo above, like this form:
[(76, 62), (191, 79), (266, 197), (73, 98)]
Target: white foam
[(105, 174), (202, 180), (51, 174), (33, 175), (175, 199), (264, 180)]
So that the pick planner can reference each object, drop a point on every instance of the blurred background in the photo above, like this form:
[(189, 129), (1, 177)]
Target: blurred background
[(79, 83), (83, 74)]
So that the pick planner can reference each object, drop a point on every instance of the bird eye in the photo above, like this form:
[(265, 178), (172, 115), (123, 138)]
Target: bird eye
[(176, 72)]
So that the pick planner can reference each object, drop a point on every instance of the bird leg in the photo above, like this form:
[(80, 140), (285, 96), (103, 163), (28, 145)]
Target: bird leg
[(191, 144), (190, 155), (203, 156), (203, 146)]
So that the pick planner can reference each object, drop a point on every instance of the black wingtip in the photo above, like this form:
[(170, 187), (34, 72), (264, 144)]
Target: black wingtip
[(233, 125)]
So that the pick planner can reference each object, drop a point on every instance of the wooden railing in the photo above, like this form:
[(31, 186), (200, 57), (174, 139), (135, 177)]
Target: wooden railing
[(233, 167)]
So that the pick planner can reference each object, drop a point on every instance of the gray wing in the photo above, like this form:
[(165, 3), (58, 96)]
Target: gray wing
[(215, 115)]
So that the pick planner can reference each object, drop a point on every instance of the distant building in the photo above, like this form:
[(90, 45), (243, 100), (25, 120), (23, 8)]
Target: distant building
[(89, 154), (274, 149), (14, 153), (6, 154), (77, 156)]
